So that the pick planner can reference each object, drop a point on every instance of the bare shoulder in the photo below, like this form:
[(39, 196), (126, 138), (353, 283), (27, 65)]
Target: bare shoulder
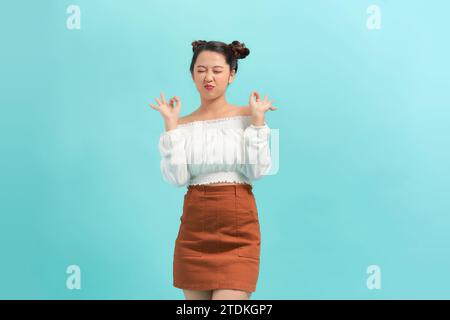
[(244, 111), (187, 118), (236, 111)]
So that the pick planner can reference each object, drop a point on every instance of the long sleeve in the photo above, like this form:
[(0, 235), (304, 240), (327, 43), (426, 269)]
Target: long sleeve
[(257, 152), (173, 157)]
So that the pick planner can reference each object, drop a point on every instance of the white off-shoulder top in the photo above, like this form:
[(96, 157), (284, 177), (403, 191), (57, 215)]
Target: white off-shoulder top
[(227, 149)]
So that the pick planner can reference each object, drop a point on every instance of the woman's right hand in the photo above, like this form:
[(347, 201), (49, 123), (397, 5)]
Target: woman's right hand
[(169, 111)]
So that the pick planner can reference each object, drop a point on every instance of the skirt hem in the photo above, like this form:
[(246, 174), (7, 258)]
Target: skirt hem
[(236, 285)]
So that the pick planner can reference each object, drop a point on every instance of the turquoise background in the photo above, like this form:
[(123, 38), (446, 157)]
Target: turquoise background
[(364, 132)]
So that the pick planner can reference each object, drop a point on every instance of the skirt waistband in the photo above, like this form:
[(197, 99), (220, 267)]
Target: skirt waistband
[(232, 188)]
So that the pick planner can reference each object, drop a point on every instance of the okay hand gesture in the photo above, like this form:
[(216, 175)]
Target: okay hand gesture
[(259, 108)]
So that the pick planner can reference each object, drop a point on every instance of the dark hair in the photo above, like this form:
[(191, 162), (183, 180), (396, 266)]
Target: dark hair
[(232, 51)]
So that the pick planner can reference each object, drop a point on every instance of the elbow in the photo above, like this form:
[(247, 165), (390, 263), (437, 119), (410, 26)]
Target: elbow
[(175, 176), (263, 171), (177, 181), (256, 172), (180, 181)]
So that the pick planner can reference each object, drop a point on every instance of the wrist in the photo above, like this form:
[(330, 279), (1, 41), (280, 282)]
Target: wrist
[(170, 124), (258, 120)]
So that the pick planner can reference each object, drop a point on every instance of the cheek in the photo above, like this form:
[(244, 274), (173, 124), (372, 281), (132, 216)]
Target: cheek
[(222, 79), (198, 80)]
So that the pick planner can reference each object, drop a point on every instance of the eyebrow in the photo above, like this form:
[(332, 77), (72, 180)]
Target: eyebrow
[(205, 66)]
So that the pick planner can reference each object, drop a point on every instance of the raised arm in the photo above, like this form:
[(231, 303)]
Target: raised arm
[(257, 151), (173, 163), (256, 140), (173, 157)]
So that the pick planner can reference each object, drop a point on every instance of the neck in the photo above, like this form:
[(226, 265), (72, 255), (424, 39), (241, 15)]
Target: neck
[(214, 107)]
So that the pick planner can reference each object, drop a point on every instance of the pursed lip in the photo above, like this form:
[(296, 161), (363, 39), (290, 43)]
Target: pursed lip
[(209, 86)]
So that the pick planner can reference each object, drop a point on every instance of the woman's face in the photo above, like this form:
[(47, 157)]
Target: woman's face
[(212, 69)]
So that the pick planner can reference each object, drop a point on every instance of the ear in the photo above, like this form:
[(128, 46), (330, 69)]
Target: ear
[(231, 77)]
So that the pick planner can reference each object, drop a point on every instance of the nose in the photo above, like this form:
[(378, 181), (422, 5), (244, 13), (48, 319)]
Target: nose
[(208, 75)]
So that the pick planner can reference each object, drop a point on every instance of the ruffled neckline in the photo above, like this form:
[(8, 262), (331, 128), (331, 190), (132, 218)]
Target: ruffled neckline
[(213, 120)]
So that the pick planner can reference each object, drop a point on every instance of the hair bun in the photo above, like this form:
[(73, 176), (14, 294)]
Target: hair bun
[(239, 49), (198, 43)]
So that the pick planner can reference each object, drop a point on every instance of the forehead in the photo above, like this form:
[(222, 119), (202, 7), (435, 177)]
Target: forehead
[(210, 59)]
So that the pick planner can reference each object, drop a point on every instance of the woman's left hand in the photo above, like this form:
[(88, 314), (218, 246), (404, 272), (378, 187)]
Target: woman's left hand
[(259, 108)]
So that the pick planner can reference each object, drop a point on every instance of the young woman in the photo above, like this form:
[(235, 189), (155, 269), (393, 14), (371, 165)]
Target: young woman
[(217, 151)]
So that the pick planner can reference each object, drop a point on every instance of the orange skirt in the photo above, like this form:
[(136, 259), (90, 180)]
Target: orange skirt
[(218, 242)]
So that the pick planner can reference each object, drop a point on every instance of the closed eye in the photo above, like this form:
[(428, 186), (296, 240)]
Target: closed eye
[(214, 71)]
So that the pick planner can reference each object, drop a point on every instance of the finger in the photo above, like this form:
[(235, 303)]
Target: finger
[(273, 108), (254, 96), (154, 107), (257, 96), (163, 98), (178, 100), (265, 98), (251, 97), (159, 102)]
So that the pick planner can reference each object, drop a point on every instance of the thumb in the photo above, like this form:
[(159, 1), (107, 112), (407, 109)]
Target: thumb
[(252, 95), (178, 102)]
